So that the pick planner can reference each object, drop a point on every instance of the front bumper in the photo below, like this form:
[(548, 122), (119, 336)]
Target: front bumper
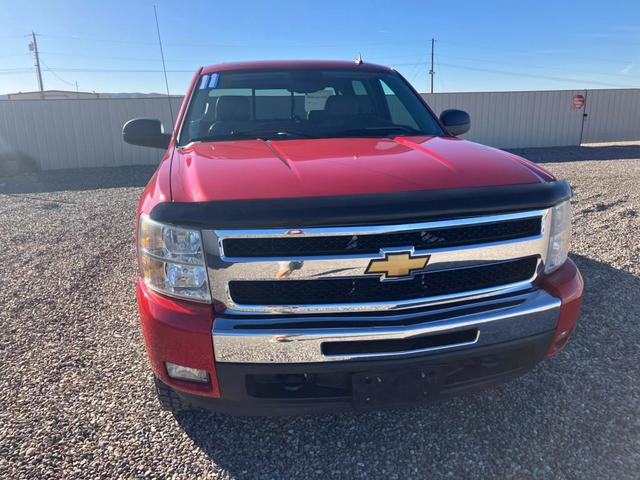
[(181, 332), (474, 324), (270, 389)]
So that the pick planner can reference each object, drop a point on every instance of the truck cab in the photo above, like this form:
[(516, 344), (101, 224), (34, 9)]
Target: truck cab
[(316, 239)]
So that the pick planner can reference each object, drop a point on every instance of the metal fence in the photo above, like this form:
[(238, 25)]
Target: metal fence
[(546, 118), (612, 114), (78, 133), (87, 132), (516, 119)]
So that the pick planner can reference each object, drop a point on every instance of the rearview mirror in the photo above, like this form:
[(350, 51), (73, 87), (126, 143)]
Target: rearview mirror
[(457, 122), (146, 132)]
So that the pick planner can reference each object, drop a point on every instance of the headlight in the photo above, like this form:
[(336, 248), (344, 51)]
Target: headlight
[(559, 235), (172, 260)]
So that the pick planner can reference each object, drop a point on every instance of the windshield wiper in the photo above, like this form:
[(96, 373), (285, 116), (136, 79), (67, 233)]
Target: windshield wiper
[(277, 133), (273, 134), (389, 130)]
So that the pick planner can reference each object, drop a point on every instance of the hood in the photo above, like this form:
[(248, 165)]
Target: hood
[(252, 169)]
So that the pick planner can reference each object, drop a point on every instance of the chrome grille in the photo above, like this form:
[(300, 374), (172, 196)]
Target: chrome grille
[(358, 290), (287, 279), (449, 236)]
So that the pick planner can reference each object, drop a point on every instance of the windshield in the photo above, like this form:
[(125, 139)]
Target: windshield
[(294, 104)]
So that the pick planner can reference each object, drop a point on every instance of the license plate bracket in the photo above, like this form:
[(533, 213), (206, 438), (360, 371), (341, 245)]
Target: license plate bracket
[(394, 387)]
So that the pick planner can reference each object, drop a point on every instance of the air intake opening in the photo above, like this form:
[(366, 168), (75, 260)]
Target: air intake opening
[(462, 337)]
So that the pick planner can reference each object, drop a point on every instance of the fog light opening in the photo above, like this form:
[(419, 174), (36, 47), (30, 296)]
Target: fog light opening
[(559, 342), (180, 372)]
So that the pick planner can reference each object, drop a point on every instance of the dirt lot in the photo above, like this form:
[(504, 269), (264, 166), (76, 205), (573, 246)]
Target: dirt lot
[(75, 390)]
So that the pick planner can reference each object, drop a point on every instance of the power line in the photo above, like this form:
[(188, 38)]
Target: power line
[(440, 79), (195, 61), (48, 69), (199, 61), (539, 77), (224, 45), (15, 36), (96, 70), (472, 46), (106, 57), (520, 74), (54, 71), (414, 73), (475, 46), (451, 65), (94, 39), (545, 67), (16, 55), (183, 60)]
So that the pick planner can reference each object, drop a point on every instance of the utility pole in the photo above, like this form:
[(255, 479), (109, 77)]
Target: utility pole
[(432, 71), (34, 47)]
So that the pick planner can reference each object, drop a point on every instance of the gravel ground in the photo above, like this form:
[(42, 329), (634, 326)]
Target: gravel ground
[(75, 390)]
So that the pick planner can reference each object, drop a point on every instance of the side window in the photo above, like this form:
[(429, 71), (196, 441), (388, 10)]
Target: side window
[(365, 103), (398, 112), (358, 87)]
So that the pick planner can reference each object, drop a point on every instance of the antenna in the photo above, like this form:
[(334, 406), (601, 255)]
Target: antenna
[(432, 72), (359, 59), (164, 68)]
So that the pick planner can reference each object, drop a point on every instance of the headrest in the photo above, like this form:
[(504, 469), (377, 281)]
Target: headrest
[(233, 107), (315, 116), (341, 106)]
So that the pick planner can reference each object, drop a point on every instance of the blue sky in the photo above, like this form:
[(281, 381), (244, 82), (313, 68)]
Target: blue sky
[(111, 46)]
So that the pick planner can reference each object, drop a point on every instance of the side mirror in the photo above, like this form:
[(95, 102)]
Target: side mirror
[(146, 132), (456, 121)]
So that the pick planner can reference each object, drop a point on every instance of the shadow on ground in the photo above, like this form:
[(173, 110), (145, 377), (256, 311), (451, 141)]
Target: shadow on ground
[(78, 179), (573, 154), (571, 417)]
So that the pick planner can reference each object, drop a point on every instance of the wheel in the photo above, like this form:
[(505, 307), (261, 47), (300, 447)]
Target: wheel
[(170, 400)]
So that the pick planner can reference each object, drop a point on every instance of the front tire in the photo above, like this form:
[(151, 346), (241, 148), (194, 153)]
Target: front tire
[(169, 399)]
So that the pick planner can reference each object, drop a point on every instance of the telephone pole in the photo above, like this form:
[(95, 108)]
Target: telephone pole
[(34, 47), (432, 71)]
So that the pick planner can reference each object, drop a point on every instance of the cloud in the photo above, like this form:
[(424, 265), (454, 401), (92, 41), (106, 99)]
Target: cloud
[(628, 68), (627, 28), (619, 32)]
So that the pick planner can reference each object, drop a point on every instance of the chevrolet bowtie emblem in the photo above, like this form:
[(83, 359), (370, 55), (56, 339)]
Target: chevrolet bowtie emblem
[(397, 265)]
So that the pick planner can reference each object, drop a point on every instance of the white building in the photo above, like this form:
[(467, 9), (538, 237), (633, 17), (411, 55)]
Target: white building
[(51, 95)]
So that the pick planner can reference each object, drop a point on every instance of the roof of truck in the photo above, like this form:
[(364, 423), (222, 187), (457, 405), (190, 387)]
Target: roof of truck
[(294, 64)]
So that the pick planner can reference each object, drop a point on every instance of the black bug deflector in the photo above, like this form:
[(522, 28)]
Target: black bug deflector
[(366, 209)]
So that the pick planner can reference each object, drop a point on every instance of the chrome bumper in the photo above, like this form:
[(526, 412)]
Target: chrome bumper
[(239, 339)]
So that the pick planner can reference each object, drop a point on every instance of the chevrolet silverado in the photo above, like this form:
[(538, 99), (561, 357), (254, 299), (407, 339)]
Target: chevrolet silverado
[(316, 239)]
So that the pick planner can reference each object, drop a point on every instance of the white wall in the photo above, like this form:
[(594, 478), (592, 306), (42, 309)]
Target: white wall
[(79, 133), (516, 119), (88, 132), (612, 114)]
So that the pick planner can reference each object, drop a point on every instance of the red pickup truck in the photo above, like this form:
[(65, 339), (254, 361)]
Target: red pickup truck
[(316, 239)]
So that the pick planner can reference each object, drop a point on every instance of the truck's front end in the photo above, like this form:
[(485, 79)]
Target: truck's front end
[(290, 264)]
